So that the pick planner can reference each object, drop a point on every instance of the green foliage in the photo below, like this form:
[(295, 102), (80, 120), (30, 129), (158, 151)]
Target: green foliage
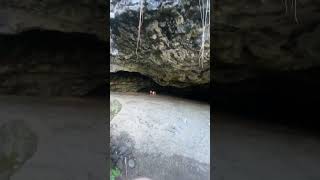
[(8, 162), (115, 108), (115, 172)]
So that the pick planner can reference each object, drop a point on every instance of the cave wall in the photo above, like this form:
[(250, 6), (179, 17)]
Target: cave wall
[(65, 16), (35, 64), (53, 47), (267, 64), (51, 63), (258, 37), (170, 36)]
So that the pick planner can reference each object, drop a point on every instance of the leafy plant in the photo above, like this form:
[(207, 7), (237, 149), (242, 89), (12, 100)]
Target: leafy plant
[(115, 172)]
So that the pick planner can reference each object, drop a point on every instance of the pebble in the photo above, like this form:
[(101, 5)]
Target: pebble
[(131, 163), (154, 37)]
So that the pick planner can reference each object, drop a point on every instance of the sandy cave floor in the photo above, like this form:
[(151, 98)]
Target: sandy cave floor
[(163, 137), (254, 149), (71, 136)]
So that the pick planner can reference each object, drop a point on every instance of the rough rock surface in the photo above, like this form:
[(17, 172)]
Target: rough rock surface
[(66, 16), (130, 82), (168, 54), (170, 41), (253, 37)]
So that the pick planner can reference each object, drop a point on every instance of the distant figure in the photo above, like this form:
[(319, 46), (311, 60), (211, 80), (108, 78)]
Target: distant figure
[(152, 93)]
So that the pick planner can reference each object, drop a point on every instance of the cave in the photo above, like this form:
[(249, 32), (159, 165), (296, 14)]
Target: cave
[(267, 65), (160, 89), (262, 82), (53, 87), (52, 63), (265, 94), (123, 81)]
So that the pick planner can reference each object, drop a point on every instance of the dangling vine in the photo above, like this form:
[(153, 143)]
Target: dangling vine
[(204, 6), (139, 27)]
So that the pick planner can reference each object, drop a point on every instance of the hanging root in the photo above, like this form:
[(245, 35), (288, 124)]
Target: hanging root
[(295, 11), (293, 6), (139, 27), (205, 20)]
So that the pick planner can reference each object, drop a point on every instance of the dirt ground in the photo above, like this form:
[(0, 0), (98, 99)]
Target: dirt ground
[(71, 136), (161, 137), (158, 137), (254, 149)]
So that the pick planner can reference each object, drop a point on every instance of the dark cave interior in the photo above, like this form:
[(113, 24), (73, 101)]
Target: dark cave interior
[(288, 98), (52, 63), (144, 84), (75, 60)]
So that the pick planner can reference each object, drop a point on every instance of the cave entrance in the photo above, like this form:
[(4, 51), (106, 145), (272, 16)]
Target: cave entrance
[(123, 81), (52, 63)]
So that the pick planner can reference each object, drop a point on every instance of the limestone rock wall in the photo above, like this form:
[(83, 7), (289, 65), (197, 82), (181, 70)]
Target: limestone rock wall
[(170, 41), (65, 16), (258, 37)]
